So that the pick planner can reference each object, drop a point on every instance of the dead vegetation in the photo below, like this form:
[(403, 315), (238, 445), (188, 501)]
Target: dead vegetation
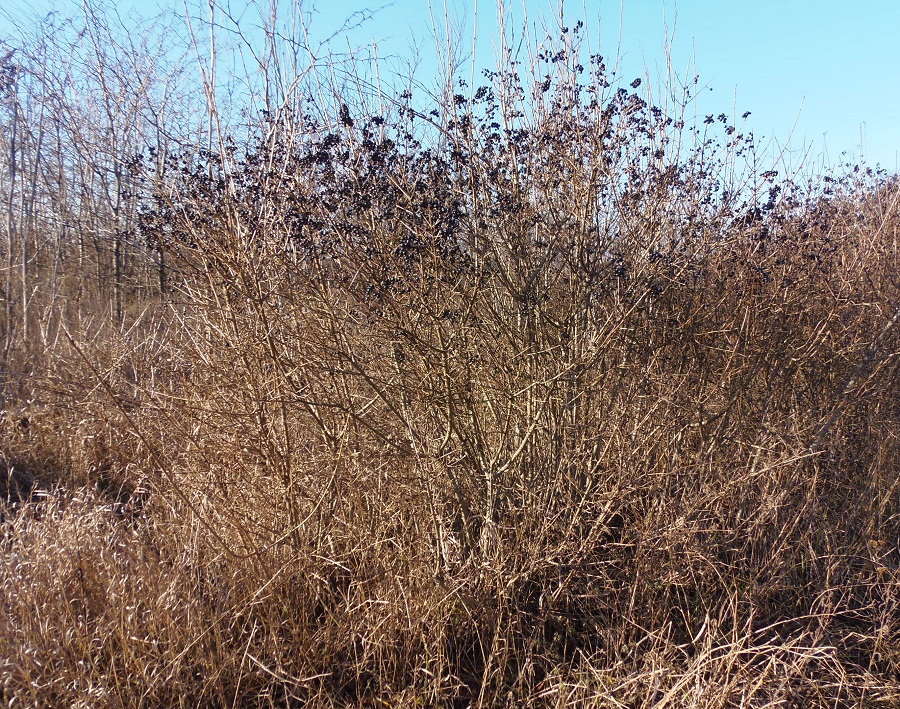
[(533, 396)]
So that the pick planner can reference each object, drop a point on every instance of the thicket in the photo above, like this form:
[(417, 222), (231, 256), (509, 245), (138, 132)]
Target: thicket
[(529, 393)]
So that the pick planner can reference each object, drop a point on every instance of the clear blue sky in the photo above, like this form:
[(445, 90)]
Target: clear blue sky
[(822, 73)]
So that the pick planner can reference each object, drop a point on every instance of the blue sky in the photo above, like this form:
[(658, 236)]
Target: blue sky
[(821, 77)]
